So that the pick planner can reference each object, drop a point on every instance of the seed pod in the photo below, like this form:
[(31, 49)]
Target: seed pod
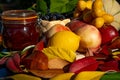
[(81, 5), (108, 18), (89, 4), (98, 22)]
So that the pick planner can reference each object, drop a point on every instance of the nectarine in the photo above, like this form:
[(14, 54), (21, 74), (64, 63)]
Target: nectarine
[(90, 37)]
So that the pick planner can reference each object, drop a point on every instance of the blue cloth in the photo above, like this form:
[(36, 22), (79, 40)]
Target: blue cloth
[(3, 72)]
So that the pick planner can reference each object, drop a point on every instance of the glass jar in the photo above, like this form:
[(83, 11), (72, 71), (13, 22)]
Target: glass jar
[(20, 29)]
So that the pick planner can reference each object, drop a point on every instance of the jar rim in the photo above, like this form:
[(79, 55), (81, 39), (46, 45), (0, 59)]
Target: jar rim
[(18, 14)]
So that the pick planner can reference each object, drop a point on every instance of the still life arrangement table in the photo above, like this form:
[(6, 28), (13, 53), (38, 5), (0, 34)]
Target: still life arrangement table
[(73, 40)]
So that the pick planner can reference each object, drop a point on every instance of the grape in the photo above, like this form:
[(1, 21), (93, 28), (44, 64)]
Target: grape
[(56, 16), (68, 15), (46, 17), (52, 16), (60, 16)]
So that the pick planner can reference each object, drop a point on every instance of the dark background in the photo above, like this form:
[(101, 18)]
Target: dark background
[(18, 4), (15, 4)]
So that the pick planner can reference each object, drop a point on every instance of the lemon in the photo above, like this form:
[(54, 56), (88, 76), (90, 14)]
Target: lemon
[(65, 39)]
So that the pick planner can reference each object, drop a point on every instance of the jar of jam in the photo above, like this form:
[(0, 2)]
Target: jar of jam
[(20, 29)]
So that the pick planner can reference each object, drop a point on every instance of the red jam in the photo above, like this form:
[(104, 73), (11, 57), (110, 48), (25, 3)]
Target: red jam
[(19, 29)]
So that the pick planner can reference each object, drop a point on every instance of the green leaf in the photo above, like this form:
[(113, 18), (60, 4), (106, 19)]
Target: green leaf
[(33, 7), (41, 6), (111, 76), (62, 6)]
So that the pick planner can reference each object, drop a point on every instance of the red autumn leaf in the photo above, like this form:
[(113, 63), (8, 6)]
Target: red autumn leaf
[(27, 57), (3, 60), (26, 62), (40, 61), (105, 50), (115, 43), (109, 65), (84, 64), (39, 45)]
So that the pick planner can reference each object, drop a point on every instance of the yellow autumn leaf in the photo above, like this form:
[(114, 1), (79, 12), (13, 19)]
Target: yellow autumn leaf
[(65, 54), (24, 77), (64, 76), (89, 75)]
